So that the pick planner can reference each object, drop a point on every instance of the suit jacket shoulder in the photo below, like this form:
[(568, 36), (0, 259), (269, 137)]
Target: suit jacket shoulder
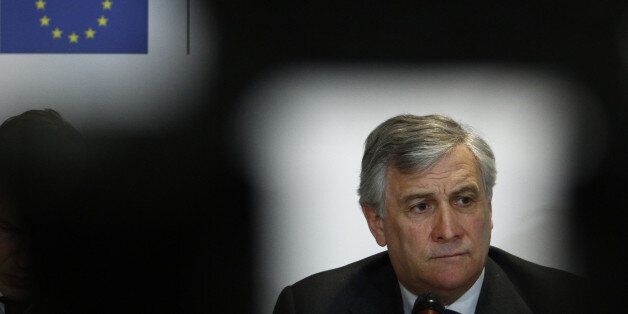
[(366, 286), (519, 286)]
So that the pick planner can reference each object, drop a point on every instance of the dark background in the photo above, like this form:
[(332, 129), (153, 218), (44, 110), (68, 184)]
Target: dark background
[(168, 228)]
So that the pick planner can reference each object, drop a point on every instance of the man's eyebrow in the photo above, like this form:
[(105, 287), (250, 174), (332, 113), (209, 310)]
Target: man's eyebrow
[(470, 187), (416, 195)]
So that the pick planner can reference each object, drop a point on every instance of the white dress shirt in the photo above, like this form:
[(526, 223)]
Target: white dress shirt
[(465, 304)]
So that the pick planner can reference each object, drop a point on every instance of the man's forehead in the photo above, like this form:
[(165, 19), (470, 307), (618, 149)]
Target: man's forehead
[(458, 169), (425, 179)]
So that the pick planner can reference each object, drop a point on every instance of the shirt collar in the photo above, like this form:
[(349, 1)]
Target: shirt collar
[(465, 304)]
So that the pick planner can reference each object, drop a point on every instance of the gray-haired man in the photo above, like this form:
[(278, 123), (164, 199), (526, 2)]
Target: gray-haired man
[(425, 190)]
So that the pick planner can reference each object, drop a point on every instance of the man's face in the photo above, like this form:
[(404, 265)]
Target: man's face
[(437, 225), (15, 280)]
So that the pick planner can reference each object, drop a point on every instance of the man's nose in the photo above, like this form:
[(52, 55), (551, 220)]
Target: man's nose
[(445, 226)]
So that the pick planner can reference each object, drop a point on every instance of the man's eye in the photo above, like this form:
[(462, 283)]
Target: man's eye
[(464, 201), (420, 207)]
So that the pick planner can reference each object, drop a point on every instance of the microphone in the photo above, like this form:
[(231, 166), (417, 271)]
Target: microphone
[(428, 303)]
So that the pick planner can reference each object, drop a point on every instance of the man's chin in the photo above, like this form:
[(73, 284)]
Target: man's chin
[(451, 279)]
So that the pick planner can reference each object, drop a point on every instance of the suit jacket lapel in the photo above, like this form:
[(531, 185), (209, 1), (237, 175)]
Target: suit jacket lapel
[(499, 294), (378, 292)]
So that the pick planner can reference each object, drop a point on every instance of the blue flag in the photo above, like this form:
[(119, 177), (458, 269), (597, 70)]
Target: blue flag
[(74, 26)]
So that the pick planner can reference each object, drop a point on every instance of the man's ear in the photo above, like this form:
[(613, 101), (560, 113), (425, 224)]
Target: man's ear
[(376, 224)]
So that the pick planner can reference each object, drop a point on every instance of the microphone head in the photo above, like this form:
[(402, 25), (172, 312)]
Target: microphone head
[(428, 301)]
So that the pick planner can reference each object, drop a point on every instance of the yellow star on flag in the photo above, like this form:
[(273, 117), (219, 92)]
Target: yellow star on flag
[(102, 21), (73, 38), (56, 33), (45, 21), (106, 5), (89, 33), (40, 4)]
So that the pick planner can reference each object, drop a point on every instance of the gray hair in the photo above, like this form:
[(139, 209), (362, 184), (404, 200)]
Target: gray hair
[(415, 143)]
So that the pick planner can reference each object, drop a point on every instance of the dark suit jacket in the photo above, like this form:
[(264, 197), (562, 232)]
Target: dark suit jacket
[(511, 285)]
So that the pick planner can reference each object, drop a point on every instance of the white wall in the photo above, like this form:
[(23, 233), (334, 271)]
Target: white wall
[(304, 129)]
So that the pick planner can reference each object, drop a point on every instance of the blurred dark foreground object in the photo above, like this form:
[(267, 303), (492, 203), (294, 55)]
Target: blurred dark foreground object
[(41, 160)]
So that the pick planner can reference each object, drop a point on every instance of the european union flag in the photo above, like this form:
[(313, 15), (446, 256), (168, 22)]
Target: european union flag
[(74, 26)]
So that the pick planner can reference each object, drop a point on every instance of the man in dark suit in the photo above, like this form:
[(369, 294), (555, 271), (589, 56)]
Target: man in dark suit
[(425, 190)]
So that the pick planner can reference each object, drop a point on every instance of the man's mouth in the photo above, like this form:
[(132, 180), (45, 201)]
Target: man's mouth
[(450, 255)]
